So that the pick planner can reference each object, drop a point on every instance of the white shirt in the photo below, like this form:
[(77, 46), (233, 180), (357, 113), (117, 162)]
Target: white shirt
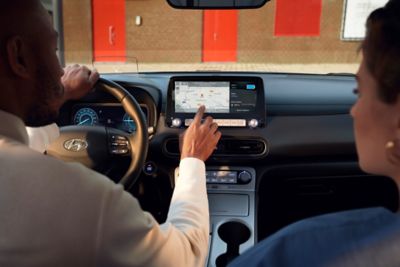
[(41, 137), (54, 213)]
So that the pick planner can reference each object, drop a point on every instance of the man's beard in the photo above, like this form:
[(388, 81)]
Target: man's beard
[(44, 111)]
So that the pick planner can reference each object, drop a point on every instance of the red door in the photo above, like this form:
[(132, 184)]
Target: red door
[(220, 35), (109, 43)]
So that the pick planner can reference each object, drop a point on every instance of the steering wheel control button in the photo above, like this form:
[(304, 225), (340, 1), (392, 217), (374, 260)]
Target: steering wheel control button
[(119, 145), (244, 177), (149, 168), (253, 123), (176, 123), (118, 137), (119, 151)]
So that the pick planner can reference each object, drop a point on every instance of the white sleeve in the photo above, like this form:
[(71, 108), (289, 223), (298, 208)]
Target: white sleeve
[(133, 238), (41, 137)]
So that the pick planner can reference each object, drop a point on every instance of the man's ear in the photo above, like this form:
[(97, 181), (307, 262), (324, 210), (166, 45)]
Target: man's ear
[(17, 55)]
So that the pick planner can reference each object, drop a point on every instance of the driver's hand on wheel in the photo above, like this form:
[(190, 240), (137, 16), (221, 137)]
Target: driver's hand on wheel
[(200, 139), (78, 81)]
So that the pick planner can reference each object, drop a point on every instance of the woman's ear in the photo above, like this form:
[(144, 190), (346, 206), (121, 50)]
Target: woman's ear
[(393, 146), (17, 55)]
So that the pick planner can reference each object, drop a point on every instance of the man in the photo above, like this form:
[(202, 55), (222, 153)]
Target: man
[(62, 214)]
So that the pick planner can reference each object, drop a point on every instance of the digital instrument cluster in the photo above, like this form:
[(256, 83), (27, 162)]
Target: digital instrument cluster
[(109, 115)]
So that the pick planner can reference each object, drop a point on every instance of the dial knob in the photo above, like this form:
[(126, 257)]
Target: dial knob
[(176, 123), (253, 123), (244, 177)]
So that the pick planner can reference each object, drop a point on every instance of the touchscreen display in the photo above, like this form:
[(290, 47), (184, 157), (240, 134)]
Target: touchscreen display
[(216, 96)]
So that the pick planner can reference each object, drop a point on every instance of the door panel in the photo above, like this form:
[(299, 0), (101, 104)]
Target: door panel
[(109, 42), (220, 35)]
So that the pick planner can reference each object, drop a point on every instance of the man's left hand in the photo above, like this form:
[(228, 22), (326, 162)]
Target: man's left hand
[(78, 81)]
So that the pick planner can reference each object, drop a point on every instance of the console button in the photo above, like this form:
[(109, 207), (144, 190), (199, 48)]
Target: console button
[(223, 122), (221, 177), (253, 123), (244, 177), (188, 122), (149, 168), (176, 123)]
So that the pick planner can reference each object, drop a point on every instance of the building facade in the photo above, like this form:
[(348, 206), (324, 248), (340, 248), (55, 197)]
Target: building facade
[(151, 31)]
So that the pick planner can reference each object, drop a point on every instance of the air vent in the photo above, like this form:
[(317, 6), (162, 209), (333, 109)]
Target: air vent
[(226, 147), (241, 147)]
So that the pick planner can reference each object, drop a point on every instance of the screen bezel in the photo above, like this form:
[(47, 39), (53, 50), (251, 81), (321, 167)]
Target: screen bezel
[(260, 109)]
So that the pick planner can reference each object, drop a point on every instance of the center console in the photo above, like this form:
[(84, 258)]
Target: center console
[(233, 102), (236, 103), (231, 195)]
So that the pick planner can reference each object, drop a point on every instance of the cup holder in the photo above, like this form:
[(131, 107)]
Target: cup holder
[(233, 234)]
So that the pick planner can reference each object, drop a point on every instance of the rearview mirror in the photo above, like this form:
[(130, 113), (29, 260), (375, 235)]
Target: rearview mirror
[(216, 4)]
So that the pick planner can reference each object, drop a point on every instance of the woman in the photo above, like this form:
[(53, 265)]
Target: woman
[(366, 237), (377, 112)]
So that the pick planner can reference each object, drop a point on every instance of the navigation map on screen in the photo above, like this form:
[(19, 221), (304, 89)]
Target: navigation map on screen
[(189, 96)]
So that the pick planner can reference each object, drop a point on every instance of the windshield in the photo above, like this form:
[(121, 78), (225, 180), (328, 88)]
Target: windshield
[(150, 36)]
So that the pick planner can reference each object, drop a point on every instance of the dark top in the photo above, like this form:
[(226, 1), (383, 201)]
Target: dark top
[(364, 237)]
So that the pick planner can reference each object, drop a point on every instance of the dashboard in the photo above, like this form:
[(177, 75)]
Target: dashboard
[(287, 149), (296, 116)]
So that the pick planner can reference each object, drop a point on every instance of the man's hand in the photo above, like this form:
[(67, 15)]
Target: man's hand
[(78, 81), (200, 139)]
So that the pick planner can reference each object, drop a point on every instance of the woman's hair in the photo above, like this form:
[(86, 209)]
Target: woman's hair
[(381, 49)]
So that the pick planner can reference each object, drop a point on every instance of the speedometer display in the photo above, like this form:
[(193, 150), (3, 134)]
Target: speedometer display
[(129, 124), (86, 116), (107, 115)]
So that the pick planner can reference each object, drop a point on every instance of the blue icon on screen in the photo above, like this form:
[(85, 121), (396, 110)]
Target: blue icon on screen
[(250, 86)]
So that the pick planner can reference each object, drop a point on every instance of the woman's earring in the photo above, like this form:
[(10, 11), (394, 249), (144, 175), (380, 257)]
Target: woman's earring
[(393, 151)]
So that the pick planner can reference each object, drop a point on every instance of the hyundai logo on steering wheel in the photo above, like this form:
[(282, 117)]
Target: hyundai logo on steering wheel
[(75, 145)]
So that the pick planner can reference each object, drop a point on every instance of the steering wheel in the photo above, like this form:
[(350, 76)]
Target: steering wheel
[(94, 146)]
